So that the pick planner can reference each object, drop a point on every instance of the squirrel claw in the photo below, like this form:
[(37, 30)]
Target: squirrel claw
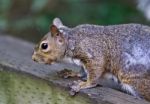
[(72, 92), (75, 87)]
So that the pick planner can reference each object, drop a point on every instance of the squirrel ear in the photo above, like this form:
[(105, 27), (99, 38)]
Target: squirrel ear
[(54, 30), (57, 22)]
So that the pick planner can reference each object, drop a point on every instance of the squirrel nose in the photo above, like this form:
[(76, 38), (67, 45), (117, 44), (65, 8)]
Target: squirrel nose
[(33, 58)]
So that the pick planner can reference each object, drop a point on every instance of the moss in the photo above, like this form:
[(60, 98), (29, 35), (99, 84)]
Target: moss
[(16, 88)]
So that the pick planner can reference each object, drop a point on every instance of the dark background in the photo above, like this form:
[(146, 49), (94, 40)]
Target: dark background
[(30, 19)]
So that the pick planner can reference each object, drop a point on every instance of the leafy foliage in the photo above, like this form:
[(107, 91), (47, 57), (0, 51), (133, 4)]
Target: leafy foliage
[(31, 18)]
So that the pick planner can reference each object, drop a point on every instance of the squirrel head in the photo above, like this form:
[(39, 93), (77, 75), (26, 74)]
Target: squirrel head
[(52, 46)]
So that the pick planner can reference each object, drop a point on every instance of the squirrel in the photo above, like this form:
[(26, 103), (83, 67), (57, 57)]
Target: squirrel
[(120, 51)]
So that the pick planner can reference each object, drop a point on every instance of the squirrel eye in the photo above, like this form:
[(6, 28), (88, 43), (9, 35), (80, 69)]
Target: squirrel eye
[(57, 34), (44, 46)]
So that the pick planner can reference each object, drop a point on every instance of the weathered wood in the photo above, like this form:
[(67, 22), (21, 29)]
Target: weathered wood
[(16, 54)]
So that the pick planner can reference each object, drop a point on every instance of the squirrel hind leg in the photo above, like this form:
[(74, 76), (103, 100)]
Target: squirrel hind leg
[(130, 90)]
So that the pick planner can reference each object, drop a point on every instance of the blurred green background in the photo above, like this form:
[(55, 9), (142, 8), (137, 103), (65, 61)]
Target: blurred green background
[(30, 19)]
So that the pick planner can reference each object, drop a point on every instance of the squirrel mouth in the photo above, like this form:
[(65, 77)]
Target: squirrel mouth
[(34, 58), (39, 60), (50, 62)]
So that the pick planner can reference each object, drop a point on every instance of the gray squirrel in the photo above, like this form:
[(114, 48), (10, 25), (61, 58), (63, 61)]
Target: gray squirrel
[(120, 51)]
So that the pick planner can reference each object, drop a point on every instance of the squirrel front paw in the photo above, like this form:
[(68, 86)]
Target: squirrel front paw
[(78, 85), (66, 73)]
